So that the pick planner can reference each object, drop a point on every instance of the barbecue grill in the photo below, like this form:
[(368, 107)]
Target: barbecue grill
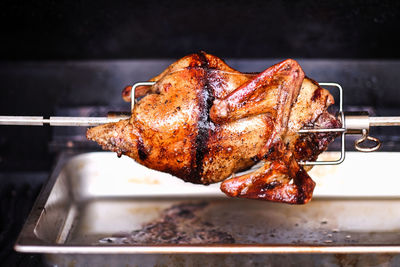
[(88, 214)]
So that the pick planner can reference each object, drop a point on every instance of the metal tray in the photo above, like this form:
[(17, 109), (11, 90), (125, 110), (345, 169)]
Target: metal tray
[(96, 203)]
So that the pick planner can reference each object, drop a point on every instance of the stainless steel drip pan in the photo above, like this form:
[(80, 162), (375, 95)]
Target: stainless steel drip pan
[(98, 203)]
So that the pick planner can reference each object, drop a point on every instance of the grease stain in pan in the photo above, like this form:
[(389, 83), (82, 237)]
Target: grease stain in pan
[(179, 224)]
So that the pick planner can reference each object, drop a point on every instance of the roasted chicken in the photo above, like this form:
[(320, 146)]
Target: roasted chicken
[(204, 121)]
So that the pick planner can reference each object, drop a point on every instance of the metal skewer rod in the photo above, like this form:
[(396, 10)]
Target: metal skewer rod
[(384, 121), (93, 121), (58, 121), (358, 122)]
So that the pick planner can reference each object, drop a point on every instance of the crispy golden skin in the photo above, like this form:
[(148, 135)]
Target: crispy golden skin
[(203, 121)]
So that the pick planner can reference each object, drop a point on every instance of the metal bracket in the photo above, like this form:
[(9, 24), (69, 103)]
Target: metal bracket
[(342, 130), (133, 99)]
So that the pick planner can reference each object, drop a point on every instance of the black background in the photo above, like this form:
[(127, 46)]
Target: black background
[(65, 30)]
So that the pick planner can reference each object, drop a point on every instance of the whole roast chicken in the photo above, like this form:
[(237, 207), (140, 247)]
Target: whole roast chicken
[(203, 121)]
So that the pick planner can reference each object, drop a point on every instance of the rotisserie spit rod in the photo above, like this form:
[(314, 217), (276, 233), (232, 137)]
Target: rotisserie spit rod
[(59, 121), (352, 121)]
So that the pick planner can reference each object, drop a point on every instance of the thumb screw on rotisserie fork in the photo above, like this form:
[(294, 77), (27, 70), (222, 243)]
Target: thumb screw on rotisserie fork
[(364, 137)]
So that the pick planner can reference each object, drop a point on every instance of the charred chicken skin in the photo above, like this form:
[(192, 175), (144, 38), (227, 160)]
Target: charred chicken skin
[(203, 121)]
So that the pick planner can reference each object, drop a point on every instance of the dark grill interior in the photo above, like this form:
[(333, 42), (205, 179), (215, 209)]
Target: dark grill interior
[(157, 29), (18, 191)]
